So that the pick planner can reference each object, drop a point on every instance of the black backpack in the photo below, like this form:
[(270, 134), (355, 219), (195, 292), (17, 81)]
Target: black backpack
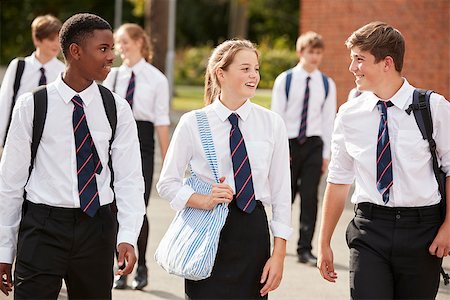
[(40, 113), (421, 108)]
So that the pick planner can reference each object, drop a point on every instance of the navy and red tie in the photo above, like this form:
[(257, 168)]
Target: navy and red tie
[(88, 162), (245, 194), (384, 158), (130, 89), (302, 132), (42, 79)]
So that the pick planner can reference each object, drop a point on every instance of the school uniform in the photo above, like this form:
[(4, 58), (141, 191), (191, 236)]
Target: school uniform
[(150, 106), (29, 81), (54, 238), (244, 241), (389, 240), (307, 154)]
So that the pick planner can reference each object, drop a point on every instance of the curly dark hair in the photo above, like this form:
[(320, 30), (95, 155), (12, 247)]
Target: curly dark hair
[(78, 27)]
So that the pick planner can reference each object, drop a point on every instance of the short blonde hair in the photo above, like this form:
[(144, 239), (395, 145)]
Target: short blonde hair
[(222, 57), (309, 39), (45, 26)]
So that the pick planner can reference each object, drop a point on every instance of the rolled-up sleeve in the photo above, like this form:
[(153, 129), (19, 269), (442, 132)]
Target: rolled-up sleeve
[(170, 185), (280, 183), (162, 103), (341, 167), (441, 126), (128, 180)]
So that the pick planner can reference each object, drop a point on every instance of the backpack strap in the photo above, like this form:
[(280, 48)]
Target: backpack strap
[(16, 86), (116, 74), (287, 86), (109, 104), (326, 86)]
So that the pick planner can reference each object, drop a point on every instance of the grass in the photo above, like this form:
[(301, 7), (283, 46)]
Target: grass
[(191, 97)]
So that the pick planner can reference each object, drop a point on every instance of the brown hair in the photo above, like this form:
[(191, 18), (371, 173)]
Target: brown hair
[(45, 26), (222, 57), (309, 39), (380, 40), (136, 33)]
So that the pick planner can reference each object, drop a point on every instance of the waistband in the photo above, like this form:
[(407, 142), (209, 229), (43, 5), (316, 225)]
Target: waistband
[(417, 214), (62, 213)]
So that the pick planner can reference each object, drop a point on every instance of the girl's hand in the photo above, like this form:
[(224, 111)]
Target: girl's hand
[(221, 193)]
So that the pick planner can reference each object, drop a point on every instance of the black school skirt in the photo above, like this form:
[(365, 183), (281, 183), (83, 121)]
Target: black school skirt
[(244, 248)]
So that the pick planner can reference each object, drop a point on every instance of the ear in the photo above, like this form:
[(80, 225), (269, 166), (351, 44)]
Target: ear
[(220, 74), (75, 51), (389, 63)]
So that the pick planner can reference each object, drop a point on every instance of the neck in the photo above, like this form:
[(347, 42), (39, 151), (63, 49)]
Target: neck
[(232, 104), (131, 61), (389, 87), (75, 81), (42, 57), (307, 67)]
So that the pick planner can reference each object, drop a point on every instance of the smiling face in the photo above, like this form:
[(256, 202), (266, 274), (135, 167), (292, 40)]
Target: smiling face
[(368, 74), (128, 48), (95, 56), (240, 79)]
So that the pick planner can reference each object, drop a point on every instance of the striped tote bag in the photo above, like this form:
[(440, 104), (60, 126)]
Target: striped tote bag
[(188, 248)]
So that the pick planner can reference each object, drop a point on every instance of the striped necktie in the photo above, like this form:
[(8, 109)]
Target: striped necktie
[(130, 90), (302, 132), (245, 194), (43, 79), (88, 162), (384, 159)]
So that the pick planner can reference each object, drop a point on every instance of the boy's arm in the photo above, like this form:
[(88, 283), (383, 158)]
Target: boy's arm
[(333, 205), (328, 116), (13, 175), (6, 93), (279, 100)]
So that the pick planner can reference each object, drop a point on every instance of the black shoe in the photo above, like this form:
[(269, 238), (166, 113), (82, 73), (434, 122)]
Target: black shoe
[(140, 281), (307, 258), (120, 283)]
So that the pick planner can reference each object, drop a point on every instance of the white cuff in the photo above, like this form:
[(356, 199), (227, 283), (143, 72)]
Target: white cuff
[(280, 230), (182, 197)]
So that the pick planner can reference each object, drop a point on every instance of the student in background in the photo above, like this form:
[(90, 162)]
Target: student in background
[(306, 100), (398, 236), (147, 91), (41, 67), (253, 160), (66, 230)]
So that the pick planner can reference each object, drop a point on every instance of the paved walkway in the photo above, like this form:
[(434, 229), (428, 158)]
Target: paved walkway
[(299, 281)]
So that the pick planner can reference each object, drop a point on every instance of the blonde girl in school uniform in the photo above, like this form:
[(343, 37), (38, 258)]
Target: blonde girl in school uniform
[(254, 171), (147, 91)]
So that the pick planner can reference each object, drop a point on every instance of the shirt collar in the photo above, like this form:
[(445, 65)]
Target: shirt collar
[(35, 62), (305, 74), (224, 112), (67, 93), (399, 99), (137, 67)]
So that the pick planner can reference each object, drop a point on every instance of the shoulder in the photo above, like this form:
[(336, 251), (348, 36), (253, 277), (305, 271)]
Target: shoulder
[(266, 114), (154, 72), (59, 64)]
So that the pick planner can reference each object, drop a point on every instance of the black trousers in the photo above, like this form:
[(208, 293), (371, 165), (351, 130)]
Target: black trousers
[(64, 243), (306, 170), (244, 248), (147, 145), (389, 256)]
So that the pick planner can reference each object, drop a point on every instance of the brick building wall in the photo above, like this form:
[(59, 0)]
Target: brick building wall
[(424, 24)]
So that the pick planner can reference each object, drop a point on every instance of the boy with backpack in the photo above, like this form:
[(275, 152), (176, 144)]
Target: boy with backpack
[(306, 100), (25, 74), (390, 141), (63, 226)]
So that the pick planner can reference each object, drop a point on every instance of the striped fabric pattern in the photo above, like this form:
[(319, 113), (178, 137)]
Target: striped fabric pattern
[(188, 248), (130, 89), (42, 79), (384, 159), (303, 124)]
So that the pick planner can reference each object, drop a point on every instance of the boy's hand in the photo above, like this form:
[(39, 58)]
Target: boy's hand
[(221, 193), (6, 282), (126, 253)]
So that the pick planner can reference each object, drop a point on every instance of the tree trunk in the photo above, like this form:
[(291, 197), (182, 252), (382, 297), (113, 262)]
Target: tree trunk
[(156, 24), (238, 21)]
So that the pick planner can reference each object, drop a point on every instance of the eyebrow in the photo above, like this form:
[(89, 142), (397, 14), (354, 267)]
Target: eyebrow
[(357, 55)]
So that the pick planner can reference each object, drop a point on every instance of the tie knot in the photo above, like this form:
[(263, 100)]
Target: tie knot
[(308, 79), (42, 70), (77, 101), (383, 105), (132, 75), (233, 118)]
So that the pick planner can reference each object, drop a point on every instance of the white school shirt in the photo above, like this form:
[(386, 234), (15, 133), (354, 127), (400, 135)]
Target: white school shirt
[(29, 81), (268, 151), (320, 118), (354, 148), (53, 180), (151, 93)]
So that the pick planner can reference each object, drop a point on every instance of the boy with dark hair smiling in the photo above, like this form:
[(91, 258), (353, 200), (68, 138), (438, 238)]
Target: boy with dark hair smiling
[(67, 229)]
